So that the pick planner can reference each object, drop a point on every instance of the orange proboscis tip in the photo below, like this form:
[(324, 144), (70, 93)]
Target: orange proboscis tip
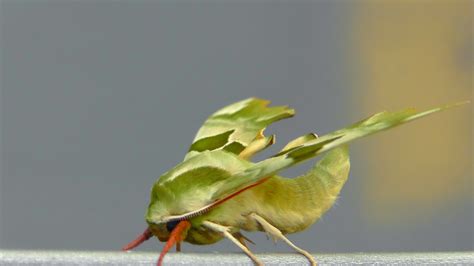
[(176, 236), (140, 239)]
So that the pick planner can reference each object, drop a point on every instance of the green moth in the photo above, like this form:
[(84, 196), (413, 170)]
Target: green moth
[(217, 191)]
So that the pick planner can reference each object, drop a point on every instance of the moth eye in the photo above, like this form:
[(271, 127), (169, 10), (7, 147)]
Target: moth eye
[(171, 225)]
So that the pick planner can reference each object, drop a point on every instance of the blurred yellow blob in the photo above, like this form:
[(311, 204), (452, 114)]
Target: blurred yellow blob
[(416, 54)]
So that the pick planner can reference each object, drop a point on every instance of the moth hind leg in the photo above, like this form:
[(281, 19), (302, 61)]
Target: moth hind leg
[(226, 231), (242, 239), (276, 234)]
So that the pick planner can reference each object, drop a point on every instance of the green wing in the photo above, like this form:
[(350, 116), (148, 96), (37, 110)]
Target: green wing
[(237, 127), (307, 147)]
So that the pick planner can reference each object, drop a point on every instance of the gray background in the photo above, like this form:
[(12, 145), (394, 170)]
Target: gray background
[(99, 98)]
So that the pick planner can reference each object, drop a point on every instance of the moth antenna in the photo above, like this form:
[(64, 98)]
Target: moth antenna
[(212, 205), (175, 236), (140, 239)]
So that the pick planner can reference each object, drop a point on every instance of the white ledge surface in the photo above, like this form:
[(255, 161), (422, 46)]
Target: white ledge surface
[(29, 257)]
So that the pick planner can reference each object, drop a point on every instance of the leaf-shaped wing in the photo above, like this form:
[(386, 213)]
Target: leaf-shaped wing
[(234, 127), (314, 146)]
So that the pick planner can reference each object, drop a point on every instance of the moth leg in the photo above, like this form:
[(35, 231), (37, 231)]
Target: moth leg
[(242, 239), (225, 231), (277, 234), (178, 246)]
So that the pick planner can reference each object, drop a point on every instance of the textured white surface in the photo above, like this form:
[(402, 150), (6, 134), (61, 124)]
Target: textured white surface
[(23, 257)]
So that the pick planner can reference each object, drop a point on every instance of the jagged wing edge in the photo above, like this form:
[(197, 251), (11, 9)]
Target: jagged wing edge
[(378, 122), (235, 127)]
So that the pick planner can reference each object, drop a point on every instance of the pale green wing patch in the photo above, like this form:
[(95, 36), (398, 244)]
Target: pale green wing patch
[(298, 142), (256, 146), (234, 127)]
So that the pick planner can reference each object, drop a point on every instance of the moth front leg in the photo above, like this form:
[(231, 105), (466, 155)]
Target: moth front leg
[(226, 231), (277, 234)]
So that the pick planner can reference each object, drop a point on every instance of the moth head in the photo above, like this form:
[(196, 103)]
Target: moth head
[(158, 209), (162, 230), (161, 226), (182, 193), (162, 210)]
